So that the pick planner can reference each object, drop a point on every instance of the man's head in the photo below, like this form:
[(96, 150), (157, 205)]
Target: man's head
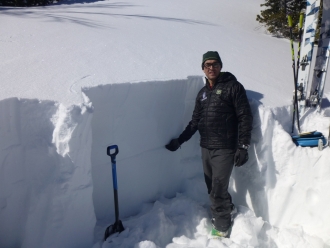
[(211, 64)]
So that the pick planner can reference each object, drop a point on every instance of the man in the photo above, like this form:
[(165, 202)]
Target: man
[(223, 117)]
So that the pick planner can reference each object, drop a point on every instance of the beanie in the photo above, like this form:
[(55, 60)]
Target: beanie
[(211, 55)]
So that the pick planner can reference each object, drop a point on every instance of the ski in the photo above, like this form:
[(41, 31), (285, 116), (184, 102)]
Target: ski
[(322, 59), (294, 74), (295, 97), (306, 53)]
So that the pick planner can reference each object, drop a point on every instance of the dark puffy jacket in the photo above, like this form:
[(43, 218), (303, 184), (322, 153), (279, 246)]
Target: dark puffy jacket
[(222, 115)]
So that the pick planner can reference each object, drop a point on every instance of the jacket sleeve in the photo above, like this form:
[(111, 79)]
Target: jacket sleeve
[(192, 127), (243, 114)]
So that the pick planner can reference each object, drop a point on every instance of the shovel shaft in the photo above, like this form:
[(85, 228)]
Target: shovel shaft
[(115, 195), (117, 226), (115, 191), (114, 176)]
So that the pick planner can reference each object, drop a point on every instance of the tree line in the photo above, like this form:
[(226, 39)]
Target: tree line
[(25, 3), (274, 16)]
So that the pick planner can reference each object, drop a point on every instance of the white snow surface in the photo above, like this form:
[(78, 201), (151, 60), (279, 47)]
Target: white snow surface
[(77, 77)]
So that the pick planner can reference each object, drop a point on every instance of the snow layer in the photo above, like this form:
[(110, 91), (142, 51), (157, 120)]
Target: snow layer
[(51, 52)]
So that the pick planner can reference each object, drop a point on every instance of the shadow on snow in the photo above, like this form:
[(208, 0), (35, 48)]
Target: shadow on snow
[(65, 11)]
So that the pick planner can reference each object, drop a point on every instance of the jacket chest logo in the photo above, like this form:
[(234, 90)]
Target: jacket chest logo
[(204, 97), (218, 92)]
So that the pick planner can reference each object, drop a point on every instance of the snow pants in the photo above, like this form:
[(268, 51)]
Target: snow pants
[(218, 165)]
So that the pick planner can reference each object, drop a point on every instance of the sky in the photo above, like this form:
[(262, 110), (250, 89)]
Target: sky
[(77, 77)]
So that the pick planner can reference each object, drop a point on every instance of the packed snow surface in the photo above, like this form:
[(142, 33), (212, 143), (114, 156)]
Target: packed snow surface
[(77, 77)]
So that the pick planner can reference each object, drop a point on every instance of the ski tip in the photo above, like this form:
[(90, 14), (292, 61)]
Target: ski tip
[(301, 20), (290, 21)]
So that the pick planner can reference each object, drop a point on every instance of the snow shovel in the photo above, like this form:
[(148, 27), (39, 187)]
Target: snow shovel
[(118, 225)]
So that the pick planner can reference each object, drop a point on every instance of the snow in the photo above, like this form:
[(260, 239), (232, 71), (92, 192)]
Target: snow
[(77, 77)]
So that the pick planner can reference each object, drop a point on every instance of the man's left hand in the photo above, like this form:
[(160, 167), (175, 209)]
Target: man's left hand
[(241, 157)]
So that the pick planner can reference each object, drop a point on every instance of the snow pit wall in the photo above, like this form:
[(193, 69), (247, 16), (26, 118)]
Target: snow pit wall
[(56, 179), (141, 118), (276, 183), (45, 175), (284, 184)]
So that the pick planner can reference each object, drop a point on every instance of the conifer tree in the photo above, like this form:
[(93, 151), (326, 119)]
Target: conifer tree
[(274, 16), (25, 3)]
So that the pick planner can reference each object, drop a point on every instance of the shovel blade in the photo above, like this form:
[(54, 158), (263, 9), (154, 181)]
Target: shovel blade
[(117, 227)]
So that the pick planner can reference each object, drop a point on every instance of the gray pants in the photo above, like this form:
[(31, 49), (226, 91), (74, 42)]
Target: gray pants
[(218, 165)]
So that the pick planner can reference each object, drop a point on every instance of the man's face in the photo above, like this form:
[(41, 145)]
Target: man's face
[(212, 69)]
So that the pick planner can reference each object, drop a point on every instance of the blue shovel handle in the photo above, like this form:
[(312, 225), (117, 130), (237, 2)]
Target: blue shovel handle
[(112, 155), (114, 176), (117, 226)]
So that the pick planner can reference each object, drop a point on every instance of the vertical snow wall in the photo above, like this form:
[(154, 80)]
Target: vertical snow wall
[(45, 175), (141, 118), (284, 184), (56, 179)]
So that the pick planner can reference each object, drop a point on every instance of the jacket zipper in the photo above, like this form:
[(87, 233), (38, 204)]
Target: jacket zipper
[(207, 110)]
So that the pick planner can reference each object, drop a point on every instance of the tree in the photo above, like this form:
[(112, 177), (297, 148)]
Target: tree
[(24, 3), (274, 17)]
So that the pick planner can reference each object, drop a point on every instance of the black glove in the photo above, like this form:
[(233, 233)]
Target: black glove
[(173, 145), (241, 157)]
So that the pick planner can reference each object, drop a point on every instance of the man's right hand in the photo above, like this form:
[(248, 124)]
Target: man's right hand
[(173, 145)]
